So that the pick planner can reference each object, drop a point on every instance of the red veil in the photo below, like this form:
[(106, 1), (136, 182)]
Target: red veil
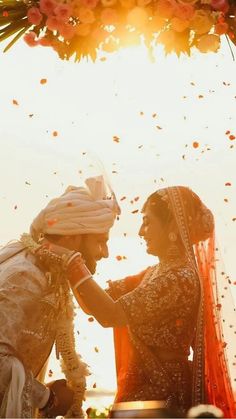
[(219, 329)]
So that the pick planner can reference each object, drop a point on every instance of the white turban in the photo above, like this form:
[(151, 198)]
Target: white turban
[(80, 210)]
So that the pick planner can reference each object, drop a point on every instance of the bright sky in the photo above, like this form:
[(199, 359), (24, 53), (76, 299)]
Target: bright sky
[(157, 110)]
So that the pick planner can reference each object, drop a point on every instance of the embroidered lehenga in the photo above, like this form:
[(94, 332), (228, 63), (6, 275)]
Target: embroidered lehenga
[(172, 310)]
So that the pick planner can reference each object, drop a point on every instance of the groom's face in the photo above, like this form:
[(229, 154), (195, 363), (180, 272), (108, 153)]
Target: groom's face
[(93, 248)]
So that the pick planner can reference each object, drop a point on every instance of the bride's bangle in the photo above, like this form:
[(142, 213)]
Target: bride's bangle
[(72, 257), (52, 254), (77, 272)]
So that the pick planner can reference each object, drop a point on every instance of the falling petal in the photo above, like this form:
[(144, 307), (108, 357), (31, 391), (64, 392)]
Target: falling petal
[(50, 223), (90, 319)]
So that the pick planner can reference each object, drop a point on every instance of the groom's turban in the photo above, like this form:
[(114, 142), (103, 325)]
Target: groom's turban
[(80, 210)]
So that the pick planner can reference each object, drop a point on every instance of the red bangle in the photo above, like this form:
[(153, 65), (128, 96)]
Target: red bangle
[(77, 273)]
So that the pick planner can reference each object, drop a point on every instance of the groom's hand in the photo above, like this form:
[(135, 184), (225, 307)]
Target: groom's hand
[(62, 399)]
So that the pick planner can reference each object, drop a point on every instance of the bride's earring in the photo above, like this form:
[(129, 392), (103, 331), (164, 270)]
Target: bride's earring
[(173, 250), (172, 237)]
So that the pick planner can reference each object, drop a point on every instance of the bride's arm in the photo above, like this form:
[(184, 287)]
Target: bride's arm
[(94, 299)]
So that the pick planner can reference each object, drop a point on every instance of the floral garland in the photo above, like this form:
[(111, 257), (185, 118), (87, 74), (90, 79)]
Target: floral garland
[(81, 27), (73, 367)]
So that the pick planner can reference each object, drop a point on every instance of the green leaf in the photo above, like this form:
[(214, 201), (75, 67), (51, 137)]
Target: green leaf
[(13, 28), (15, 39)]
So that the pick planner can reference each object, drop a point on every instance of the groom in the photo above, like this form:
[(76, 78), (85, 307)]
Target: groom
[(34, 304)]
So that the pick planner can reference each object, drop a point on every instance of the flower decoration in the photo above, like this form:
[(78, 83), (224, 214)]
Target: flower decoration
[(80, 28)]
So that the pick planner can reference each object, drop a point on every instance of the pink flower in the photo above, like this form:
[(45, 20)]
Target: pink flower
[(220, 5), (91, 4), (67, 31), (34, 16), (63, 12), (52, 23), (184, 11), (47, 6), (29, 38)]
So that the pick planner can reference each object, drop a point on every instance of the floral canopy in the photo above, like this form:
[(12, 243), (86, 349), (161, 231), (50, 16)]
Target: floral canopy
[(79, 28)]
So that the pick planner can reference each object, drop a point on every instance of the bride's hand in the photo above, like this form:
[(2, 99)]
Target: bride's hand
[(53, 255)]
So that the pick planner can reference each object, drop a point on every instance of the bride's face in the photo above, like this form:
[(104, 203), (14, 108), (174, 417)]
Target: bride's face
[(153, 233)]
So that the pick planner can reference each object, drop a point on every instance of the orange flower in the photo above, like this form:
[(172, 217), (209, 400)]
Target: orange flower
[(179, 25), (143, 3), (108, 3), (184, 11), (201, 22), (91, 4), (221, 28), (86, 15), (83, 29), (109, 16), (188, 1), (208, 43), (137, 17), (29, 38), (127, 4), (157, 23), (165, 8), (44, 42), (99, 34)]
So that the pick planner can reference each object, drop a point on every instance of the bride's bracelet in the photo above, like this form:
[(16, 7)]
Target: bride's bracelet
[(77, 272), (48, 254)]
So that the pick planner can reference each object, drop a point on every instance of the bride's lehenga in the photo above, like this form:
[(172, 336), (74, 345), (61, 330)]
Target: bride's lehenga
[(172, 307)]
